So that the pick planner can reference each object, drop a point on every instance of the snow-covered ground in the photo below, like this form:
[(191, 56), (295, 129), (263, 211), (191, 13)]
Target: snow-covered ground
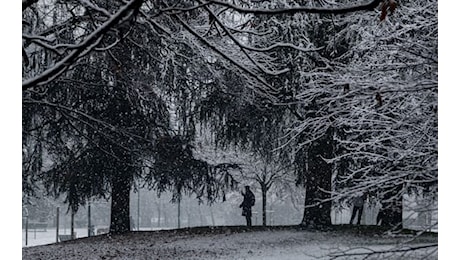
[(41, 237), (236, 243)]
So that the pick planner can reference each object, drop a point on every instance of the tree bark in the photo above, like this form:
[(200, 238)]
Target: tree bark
[(392, 209), (120, 212), (317, 210)]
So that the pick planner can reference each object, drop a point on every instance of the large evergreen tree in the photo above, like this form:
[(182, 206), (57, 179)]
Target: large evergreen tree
[(99, 129), (94, 131)]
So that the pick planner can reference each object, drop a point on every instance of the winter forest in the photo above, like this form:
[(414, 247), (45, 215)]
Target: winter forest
[(144, 120)]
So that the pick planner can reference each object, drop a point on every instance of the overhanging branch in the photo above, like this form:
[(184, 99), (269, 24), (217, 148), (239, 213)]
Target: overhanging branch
[(83, 47), (302, 9), (27, 3), (269, 92)]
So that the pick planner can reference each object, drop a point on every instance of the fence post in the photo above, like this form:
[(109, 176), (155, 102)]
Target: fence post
[(57, 224)]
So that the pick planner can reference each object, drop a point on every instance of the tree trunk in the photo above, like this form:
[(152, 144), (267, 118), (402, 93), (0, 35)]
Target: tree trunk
[(159, 213), (138, 210), (212, 216), (391, 215), (317, 210), (201, 215), (315, 213), (72, 222), (166, 221), (89, 219), (178, 212), (189, 218), (264, 204), (392, 209), (120, 212)]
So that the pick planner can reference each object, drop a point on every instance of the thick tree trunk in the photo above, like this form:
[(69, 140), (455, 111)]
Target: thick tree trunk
[(392, 209), (391, 215), (318, 180), (316, 213), (120, 215)]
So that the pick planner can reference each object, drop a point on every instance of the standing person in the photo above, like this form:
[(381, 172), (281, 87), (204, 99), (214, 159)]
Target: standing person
[(248, 201), (358, 206)]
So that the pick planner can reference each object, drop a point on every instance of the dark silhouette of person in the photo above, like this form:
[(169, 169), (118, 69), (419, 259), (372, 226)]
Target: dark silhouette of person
[(248, 201), (358, 206)]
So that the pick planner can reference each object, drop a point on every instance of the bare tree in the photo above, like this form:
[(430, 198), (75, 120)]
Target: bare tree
[(267, 175)]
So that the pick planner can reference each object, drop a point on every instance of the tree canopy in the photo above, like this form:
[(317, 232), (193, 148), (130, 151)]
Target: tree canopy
[(344, 90)]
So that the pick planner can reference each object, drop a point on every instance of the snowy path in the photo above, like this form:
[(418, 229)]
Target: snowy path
[(223, 243)]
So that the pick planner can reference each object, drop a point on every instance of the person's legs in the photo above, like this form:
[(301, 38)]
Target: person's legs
[(360, 213), (353, 214), (248, 221)]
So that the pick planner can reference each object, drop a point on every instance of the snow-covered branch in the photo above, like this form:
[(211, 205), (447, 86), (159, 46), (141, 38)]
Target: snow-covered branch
[(84, 47), (298, 9)]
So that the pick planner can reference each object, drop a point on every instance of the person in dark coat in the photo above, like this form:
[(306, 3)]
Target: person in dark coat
[(248, 201), (358, 206)]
